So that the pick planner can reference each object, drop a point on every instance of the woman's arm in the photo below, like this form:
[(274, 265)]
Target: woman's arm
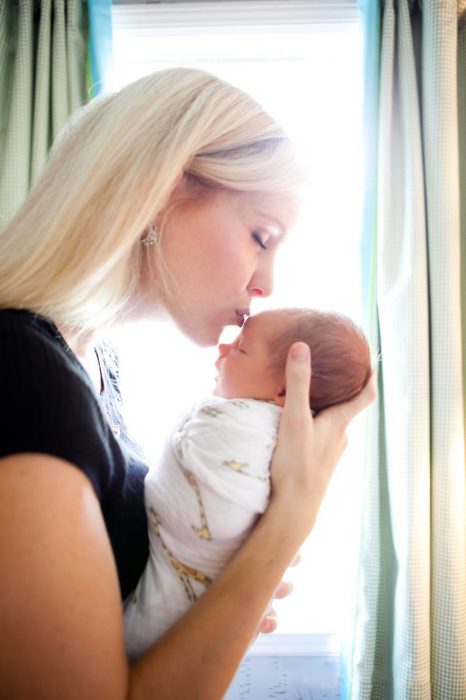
[(60, 608)]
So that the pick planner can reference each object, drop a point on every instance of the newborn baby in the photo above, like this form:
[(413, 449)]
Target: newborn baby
[(213, 481)]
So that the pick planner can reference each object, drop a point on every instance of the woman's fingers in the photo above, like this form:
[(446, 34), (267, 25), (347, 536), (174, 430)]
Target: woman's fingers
[(348, 410), (269, 623), (365, 397), (283, 590)]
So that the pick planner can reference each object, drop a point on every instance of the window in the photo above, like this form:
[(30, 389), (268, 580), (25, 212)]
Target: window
[(303, 62)]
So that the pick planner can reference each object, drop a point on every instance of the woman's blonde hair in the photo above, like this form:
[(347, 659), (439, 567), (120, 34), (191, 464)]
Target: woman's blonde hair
[(72, 252)]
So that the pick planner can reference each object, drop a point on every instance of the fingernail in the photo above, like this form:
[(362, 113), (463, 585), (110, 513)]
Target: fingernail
[(300, 352)]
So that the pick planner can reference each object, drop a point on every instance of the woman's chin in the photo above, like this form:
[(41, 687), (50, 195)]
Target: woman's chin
[(202, 335)]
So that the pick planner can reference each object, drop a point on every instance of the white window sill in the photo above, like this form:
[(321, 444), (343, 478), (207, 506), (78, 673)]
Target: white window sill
[(295, 645), (289, 667)]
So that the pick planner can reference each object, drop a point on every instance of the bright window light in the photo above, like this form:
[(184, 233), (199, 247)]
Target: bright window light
[(310, 79)]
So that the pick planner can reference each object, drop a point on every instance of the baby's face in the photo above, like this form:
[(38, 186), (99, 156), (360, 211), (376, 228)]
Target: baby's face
[(244, 365)]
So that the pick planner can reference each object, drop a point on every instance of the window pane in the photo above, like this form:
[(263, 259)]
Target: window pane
[(312, 83)]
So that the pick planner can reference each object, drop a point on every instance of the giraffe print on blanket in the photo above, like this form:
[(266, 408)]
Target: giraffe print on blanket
[(203, 532), (185, 573)]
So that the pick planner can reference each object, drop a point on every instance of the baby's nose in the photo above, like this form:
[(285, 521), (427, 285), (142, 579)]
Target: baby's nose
[(223, 349)]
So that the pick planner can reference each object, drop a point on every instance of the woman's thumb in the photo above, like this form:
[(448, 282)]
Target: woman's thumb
[(298, 375)]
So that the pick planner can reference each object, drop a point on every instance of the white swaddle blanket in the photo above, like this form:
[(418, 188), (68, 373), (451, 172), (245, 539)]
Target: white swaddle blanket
[(212, 483)]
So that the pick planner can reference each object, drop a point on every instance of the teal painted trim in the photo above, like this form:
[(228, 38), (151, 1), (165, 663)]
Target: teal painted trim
[(90, 90), (100, 43), (344, 678), (371, 23), (370, 13)]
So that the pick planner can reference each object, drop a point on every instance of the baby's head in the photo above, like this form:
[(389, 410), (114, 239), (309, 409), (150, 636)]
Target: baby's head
[(253, 365)]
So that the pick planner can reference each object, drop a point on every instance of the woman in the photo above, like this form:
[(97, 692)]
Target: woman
[(170, 196)]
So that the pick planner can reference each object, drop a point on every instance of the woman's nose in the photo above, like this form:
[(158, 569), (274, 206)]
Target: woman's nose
[(261, 283)]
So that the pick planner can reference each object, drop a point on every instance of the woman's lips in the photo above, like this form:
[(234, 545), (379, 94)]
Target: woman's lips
[(241, 316)]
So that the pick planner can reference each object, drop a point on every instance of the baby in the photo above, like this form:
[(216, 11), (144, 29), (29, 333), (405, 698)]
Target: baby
[(213, 481)]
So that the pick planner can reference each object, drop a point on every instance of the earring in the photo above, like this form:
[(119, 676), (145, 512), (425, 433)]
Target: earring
[(151, 237)]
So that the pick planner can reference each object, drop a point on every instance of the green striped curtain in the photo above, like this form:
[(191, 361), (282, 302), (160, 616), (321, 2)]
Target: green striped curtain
[(43, 79), (410, 627), (461, 80)]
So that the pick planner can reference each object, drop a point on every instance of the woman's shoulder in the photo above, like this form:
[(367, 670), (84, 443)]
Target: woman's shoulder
[(28, 339), (49, 406), (47, 403), (22, 323)]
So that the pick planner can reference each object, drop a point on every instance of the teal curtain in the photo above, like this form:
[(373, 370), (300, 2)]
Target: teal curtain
[(410, 626), (100, 44), (44, 77)]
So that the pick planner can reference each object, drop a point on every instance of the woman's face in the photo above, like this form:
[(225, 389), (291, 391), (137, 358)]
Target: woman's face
[(219, 250)]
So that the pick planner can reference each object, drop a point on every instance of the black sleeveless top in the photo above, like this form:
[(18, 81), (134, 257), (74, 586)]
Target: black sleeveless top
[(48, 405)]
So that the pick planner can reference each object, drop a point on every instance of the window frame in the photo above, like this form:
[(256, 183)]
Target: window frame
[(178, 17), (223, 15)]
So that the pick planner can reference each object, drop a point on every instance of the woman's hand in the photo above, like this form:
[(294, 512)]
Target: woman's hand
[(308, 448), (269, 622)]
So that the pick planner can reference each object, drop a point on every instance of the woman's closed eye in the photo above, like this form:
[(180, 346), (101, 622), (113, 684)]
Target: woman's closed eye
[(261, 239)]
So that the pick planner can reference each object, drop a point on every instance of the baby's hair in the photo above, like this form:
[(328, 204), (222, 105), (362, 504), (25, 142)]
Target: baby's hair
[(340, 352)]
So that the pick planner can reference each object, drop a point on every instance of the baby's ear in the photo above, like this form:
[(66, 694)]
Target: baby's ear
[(279, 397)]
